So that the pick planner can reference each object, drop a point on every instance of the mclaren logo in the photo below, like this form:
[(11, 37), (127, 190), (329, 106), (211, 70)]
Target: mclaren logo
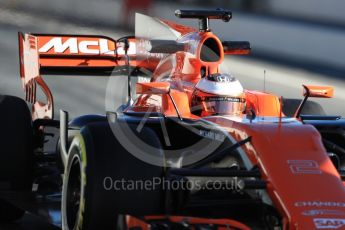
[(77, 46), (329, 223)]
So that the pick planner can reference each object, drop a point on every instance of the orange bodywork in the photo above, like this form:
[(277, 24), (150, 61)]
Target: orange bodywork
[(153, 88), (263, 104), (291, 157), (162, 103)]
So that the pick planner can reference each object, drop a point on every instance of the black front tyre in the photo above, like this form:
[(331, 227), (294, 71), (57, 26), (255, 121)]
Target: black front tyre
[(94, 155)]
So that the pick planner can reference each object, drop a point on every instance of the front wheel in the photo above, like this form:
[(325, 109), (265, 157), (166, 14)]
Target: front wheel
[(96, 160)]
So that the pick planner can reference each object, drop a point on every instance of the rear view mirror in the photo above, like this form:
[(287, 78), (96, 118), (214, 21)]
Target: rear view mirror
[(318, 91), (153, 88), (236, 47), (314, 91)]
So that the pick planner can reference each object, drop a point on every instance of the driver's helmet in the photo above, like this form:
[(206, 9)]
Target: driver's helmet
[(218, 94)]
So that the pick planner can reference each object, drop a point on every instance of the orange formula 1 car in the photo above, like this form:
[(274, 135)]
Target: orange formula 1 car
[(190, 148)]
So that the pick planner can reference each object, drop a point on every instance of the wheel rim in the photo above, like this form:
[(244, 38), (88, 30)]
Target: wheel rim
[(73, 193)]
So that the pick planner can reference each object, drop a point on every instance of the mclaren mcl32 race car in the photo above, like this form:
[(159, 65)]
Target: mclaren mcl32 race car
[(189, 149)]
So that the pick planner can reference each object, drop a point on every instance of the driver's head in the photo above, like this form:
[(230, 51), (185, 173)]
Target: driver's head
[(218, 94)]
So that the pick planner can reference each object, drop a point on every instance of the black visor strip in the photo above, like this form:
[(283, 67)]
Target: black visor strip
[(229, 99)]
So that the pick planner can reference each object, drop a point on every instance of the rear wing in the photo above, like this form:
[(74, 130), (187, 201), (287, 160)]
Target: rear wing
[(70, 52), (66, 54), (81, 52)]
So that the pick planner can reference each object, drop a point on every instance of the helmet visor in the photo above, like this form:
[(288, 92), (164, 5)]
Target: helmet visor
[(224, 105)]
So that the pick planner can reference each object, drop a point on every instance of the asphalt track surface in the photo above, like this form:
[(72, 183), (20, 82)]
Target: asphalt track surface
[(81, 95)]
